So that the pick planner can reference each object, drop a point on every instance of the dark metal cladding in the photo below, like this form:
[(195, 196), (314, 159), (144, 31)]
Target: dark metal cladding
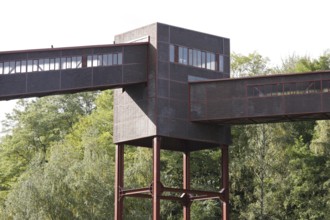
[(132, 69), (264, 99), (161, 108)]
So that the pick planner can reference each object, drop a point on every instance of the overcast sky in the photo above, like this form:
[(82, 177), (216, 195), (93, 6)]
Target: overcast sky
[(273, 28)]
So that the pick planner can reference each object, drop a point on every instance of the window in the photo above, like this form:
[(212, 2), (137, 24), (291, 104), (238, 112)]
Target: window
[(50, 64), (89, 61), (41, 65), (99, 60), (115, 59), (76, 62), (183, 55), (30, 66), (79, 62), (46, 64), (6, 68), (199, 58), (325, 84), (105, 60), (210, 61), (57, 63), (190, 57), (110, 60), (203, 64), (172, 51), (196, 58), (68, 62), (221, 63), (63, 63), (23, 66), (12, 67), (95, 61), (18, 66), (35, 66), (120, 58)]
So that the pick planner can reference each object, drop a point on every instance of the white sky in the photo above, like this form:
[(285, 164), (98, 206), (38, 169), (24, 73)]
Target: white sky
[(273, 28)]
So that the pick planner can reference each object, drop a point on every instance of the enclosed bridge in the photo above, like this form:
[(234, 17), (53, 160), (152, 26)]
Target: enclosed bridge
[(172, 92)]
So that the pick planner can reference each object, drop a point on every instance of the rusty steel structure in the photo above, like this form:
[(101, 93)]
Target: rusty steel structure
[(262, 99), (173, 91)]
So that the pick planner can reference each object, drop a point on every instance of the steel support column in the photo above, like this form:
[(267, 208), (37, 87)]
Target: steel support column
[(186, 185), (119, 182), (225, 181), (156, 191)]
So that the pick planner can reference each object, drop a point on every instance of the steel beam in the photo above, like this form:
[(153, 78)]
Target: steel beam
[(186, 185), (119, 182), (225, 181), (156, 179)]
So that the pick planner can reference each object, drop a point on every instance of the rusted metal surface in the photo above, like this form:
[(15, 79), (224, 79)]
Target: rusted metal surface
[(265, 99), (36, 73), (156, 192), (119, 182), (186, 185), (225, 181)]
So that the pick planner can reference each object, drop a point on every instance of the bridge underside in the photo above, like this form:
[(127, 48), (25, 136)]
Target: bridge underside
[(263, 99)]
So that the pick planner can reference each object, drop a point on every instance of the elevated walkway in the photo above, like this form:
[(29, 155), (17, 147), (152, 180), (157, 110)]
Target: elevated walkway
[(262, 99), (35, 73)]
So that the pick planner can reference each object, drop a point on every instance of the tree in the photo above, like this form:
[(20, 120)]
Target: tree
[(251, 65)]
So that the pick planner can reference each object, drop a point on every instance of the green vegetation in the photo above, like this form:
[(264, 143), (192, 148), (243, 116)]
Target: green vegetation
[(58, 161)]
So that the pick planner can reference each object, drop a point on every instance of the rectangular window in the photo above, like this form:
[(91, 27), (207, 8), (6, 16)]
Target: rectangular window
[(89, 61), (35, 66), (1, 68), (46, 64), (190, 57), (18, 66), (115, 59), (68, 62), (95, 60), (12, 67), (51, 64), (120, 58), (79, 62), (203, 60), (23, 66), (183, 55), (221, 63), (6, 68), (210, 61), (199, 58), (195, 58), (172, 53), (63, 63), (110, 60), (30, 66), (99, 60), (41, 65), (105, 60), (57, 63), (74, 62)]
